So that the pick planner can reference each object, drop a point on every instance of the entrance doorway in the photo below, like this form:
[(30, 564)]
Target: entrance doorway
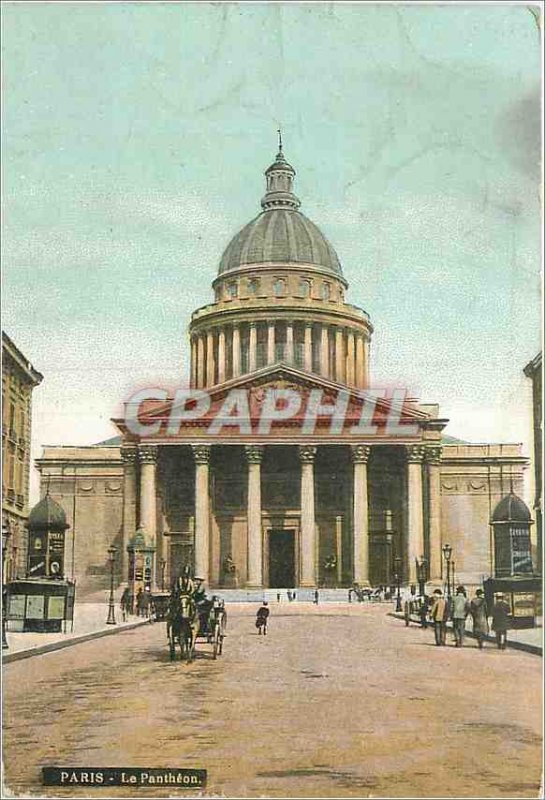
[(281, 558)]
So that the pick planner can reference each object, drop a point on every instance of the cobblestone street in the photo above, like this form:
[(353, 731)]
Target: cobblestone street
[(337, 701)]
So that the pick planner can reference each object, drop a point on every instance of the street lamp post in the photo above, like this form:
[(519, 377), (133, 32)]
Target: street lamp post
[(163, 565), (447, 553), (422, 575), (6, 533), (397, 563), (111, 606)]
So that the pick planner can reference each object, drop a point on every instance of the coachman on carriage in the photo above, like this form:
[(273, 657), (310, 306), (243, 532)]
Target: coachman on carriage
[(191, 615)]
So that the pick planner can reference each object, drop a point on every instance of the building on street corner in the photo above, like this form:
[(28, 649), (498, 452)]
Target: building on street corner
[(19, 379), (273, 503)]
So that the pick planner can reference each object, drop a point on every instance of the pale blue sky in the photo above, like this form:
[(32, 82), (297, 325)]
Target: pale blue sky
[(135, 137)]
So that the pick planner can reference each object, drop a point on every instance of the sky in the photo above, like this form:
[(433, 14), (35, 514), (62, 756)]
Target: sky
[(135, 140)]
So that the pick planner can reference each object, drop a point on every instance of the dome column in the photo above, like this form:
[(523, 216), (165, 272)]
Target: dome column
[(271, 343), (210, 358), (289, 343), (193, 364), (360, 373), (307, 348), (252, 348), (236, 351), (221, 356), (350, 359), (324, 351), (199, 367), (340, 373), (433, 466)]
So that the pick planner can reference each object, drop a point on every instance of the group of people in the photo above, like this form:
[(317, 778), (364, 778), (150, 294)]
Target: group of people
[(440, 609), (139, 605)]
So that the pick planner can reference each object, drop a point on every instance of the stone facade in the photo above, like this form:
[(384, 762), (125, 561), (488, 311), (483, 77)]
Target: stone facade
[(19, 378), (288, 507)]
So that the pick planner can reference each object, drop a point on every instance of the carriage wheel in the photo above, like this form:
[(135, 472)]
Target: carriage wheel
[(172, 648), (220, 646)]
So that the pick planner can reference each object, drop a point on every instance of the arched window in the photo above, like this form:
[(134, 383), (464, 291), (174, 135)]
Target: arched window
[(253, 286), (304, 288), (279, 287), (325, 291), (232, 290)]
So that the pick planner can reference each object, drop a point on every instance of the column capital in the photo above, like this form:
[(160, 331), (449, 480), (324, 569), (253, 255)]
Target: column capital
[(254, 453), (432, 455), (201, 453), (147, 453), (129, 454), (252, 324), (360, 453), (307, 453), (415, 453)]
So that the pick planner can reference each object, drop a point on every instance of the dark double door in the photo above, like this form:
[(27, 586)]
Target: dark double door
[(281, 559)]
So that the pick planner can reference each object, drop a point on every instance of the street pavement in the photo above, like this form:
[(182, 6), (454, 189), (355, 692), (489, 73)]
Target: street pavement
[(336, 701)]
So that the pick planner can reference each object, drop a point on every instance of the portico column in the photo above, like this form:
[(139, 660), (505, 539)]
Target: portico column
[(307, 348), (200, 362), (254, 456), (307, 454), (289, 343), (201, 454), (324, 351), (270, 344), (252, 351), (366, 361), (360, 375), (147, 454), (236, 351), (340, 373), (210, 358), (221, 356), (433, 464), (129, 456), (360, 456), (415, 544), (350, 359)]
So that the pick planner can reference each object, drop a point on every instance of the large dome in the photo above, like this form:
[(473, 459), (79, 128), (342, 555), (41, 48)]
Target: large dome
[(280, 235)]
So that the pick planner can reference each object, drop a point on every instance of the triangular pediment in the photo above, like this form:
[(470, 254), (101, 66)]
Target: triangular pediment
[(273, 387)]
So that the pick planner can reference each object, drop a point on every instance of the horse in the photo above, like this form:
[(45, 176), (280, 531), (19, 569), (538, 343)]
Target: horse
[(183, 625)]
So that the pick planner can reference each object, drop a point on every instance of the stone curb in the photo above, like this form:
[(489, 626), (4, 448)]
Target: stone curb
[(39, 650), (535, 649)]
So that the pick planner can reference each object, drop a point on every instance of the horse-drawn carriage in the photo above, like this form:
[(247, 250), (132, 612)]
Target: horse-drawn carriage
[(188, 622)]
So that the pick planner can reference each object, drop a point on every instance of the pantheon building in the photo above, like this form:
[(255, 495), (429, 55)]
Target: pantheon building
[(289, 507)]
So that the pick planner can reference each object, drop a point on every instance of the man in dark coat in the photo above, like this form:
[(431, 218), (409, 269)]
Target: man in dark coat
[(478, 611), (500, 620), (262, 617)]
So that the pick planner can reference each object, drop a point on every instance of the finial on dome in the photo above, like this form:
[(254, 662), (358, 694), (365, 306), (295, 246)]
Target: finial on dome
[(279, 132)]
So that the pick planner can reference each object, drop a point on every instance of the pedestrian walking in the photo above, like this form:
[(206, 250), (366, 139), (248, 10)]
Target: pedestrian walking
[(478, 611), (316, 597), (125, 603), (278, 597), (262, 617), (460, 610), (438, 614), (289, 595), (500, 620), (409, 603)]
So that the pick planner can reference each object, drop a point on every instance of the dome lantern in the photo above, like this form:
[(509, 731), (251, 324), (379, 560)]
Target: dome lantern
[(280, 176)]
